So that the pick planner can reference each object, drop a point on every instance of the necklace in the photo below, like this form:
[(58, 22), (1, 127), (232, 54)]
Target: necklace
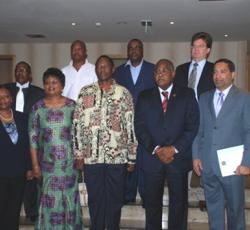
[(7, 119)]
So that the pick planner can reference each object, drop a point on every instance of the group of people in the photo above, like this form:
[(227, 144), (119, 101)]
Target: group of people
[(127, 128)]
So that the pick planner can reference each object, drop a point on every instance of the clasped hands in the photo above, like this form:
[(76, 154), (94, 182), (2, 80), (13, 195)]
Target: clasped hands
[(165, 154)]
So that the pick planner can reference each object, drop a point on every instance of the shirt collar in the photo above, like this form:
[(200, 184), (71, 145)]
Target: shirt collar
[(86, 62), (26, 85), (128, 63), (225, 91), (201, 63), (169, 89)]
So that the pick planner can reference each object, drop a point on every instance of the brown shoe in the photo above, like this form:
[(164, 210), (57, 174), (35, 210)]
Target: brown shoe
[(202, 205)]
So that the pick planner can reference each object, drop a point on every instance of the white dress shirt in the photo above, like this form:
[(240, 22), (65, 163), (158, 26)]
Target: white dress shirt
[(75, 80), (20, 96), (134, 70)]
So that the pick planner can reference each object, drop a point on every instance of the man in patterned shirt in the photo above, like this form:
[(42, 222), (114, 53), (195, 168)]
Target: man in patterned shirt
[(104, 144)]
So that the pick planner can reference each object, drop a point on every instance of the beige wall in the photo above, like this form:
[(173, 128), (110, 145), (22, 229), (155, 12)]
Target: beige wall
[(44, 55)]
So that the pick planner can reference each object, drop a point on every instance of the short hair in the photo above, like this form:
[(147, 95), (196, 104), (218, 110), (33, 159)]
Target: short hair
[(82, 43), (136, 40), (110, 60), (206, 37), (6, 88), (54, 72), (26, 64), (230, 64), (169, 64)]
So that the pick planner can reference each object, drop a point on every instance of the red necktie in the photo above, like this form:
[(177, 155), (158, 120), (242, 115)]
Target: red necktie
[(165, 101)]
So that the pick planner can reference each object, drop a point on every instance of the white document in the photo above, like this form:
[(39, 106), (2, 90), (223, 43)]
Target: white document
[(230, 159)]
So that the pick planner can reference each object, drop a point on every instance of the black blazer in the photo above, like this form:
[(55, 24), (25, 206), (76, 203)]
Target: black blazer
[(15, 158), (177, 127), (31, 95), (206, 81)]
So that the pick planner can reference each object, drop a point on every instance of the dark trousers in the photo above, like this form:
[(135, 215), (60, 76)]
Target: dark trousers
[(30, 198), (105, 185), (11, 194), (178, 199), (135, 179)]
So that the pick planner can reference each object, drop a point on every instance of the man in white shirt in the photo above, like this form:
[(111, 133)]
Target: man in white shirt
[(79, 72)]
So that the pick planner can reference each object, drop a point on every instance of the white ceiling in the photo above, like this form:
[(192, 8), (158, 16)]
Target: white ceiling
[(121, 20)]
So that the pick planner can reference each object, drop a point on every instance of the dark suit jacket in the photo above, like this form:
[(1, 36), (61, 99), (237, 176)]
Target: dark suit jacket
[(15, 158), (31, 95), (145, 79), (177, 127), (206, 81)]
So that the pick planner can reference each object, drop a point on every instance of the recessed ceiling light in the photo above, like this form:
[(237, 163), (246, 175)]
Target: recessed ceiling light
[(98, 24), (73, 23), (121, 23), (171, 23), (225, 35)]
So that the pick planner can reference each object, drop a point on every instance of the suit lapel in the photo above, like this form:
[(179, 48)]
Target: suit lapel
[(211, 103), (229, 102)]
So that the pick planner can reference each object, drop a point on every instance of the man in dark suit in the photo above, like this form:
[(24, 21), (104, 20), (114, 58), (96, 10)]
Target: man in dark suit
[(224, 123), (201, 45), (202, 80), (24, 95), (166, 122), (23, 101), (136, 75)]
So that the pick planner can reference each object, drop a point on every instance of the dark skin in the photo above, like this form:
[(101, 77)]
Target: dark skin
[(78, 54), (53, 99), (164, 76), (104, 70), (135, 52), (22, 73), (5, 111)]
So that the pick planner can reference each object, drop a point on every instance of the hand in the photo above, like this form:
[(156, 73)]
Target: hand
[(242, 170), (165, 154), (197, 166), (130, 167), (29, 175), (79, 163), (37, 172)]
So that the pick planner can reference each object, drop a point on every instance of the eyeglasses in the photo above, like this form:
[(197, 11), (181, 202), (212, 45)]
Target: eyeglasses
[(198, 47)]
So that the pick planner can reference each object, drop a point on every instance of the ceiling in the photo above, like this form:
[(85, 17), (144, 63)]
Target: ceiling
[(121, 20)]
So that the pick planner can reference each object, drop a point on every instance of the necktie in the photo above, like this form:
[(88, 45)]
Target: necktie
[(219, 103), (165, 101), (20, 100), (192, 77)]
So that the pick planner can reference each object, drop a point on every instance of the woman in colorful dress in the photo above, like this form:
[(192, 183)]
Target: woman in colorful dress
[(52, 158)]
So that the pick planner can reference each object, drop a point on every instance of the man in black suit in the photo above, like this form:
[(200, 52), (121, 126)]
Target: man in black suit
[(23, 101), (24, 95), (166, 122), (200, 78)]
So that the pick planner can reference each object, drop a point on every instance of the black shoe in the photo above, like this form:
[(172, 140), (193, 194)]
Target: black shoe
[(202, 205)]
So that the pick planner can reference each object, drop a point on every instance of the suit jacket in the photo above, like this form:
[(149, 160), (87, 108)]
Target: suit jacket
[(206, 80), (145, 79), (177, 127), (15, 158), (31, 95), (230, 128)]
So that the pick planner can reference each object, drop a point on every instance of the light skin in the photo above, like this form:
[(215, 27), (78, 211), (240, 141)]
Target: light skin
[(135, 52), (164, 76), (199, 50), (104, 71), (5, 110), (223, 78), (22, 74), (78, 55), (53, 99)]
